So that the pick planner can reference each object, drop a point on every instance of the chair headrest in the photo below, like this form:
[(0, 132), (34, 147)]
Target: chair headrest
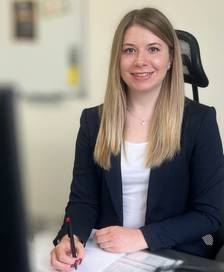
[(192, 66)]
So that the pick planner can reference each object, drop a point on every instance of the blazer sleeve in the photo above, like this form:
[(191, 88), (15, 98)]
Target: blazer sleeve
[(84, 193), (206, 170)]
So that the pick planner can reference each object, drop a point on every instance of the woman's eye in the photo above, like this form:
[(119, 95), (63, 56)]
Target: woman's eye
[(129, 50), (153, 49)]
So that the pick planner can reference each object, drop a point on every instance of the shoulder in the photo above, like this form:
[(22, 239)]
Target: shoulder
[(90, 120), (196, 113), (93, 111), (199, 123), (91, 114), (195, 108)]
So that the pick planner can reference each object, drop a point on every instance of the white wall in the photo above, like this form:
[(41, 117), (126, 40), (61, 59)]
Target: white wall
[(48, 131)]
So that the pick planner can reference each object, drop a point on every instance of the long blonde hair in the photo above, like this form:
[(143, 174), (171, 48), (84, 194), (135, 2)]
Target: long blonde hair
[(165, 129)]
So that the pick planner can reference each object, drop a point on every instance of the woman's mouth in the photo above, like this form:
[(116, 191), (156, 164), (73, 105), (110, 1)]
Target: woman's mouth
[(142, 75)]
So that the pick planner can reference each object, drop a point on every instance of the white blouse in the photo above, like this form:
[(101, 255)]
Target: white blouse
[(135, 179)]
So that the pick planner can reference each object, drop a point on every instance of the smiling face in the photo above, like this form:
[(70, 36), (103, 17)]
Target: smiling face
[(144, 61)]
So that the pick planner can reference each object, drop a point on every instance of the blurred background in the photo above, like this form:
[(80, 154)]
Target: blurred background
[(55, 54)]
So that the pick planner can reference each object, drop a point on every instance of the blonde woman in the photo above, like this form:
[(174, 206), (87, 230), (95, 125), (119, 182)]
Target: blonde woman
[(148, 171)]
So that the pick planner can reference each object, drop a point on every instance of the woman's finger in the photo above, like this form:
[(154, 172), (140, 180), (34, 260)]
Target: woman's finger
[(106, 245), (63, 253), (80, 250), (57, 264)]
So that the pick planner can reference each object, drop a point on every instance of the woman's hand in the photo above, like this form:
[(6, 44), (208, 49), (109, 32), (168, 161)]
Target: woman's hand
[(120, 239), (61, 257)]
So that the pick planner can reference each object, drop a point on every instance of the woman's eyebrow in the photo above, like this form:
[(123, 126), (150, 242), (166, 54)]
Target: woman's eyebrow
[(128, 44), (149, 44), (154, 43)]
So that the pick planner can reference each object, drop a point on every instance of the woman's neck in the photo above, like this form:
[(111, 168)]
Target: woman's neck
[(142, 104)]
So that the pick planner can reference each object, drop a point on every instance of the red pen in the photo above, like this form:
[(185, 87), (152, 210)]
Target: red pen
[(72, 241)]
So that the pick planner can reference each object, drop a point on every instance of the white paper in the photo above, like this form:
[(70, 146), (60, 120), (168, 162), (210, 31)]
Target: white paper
[(141, 261), (96, 259)]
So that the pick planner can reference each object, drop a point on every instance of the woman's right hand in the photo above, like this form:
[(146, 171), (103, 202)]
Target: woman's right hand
[(61, 256)]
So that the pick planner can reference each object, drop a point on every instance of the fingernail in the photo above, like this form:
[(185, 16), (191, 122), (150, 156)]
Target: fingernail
[(80, 261)]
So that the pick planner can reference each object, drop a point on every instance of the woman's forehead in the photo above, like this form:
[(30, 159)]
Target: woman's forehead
[(137, 33)]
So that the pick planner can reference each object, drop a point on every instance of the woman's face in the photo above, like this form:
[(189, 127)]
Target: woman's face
[(145, 60)]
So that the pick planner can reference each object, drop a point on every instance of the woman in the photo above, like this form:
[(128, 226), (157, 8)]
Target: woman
[(148, 171)]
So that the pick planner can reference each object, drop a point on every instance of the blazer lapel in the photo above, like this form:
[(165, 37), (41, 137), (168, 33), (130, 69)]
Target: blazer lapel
[(158, 175), (113, 179)]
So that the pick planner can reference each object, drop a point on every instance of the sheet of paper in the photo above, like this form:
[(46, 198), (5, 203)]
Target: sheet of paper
[(96, 259), (141, 261)]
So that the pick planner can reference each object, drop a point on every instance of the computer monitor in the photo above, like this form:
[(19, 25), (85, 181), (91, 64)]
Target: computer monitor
[(13, 240)]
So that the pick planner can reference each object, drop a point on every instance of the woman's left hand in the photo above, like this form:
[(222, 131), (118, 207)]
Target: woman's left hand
[(120, 239)]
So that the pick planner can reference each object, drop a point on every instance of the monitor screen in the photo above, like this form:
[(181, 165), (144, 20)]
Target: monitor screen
[(13, 239)]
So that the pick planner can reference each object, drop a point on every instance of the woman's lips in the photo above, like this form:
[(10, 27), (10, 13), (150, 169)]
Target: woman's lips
[(142, 75)]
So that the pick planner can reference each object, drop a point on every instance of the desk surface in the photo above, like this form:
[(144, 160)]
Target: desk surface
[(191, 260)]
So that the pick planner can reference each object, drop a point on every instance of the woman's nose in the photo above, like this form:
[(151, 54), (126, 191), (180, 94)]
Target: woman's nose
[(141, 59)]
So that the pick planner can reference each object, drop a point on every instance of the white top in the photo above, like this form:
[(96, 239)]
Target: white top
[(135, 179)]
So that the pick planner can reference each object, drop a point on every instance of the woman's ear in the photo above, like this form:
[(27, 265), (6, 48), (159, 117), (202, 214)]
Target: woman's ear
[(170, 60)]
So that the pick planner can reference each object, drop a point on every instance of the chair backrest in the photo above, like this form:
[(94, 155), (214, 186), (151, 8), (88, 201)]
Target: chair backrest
[(193, 70)]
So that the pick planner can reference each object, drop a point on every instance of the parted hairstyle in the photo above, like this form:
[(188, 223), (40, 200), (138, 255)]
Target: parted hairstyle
[(165, 129)]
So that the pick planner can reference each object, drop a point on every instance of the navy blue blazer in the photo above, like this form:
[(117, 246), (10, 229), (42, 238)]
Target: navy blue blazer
[(185, 194)]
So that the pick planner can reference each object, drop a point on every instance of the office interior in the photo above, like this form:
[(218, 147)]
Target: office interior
[(49, 105)]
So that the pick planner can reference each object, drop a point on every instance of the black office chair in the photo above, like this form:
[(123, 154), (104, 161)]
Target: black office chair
[(194, 74), (193, 70)]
